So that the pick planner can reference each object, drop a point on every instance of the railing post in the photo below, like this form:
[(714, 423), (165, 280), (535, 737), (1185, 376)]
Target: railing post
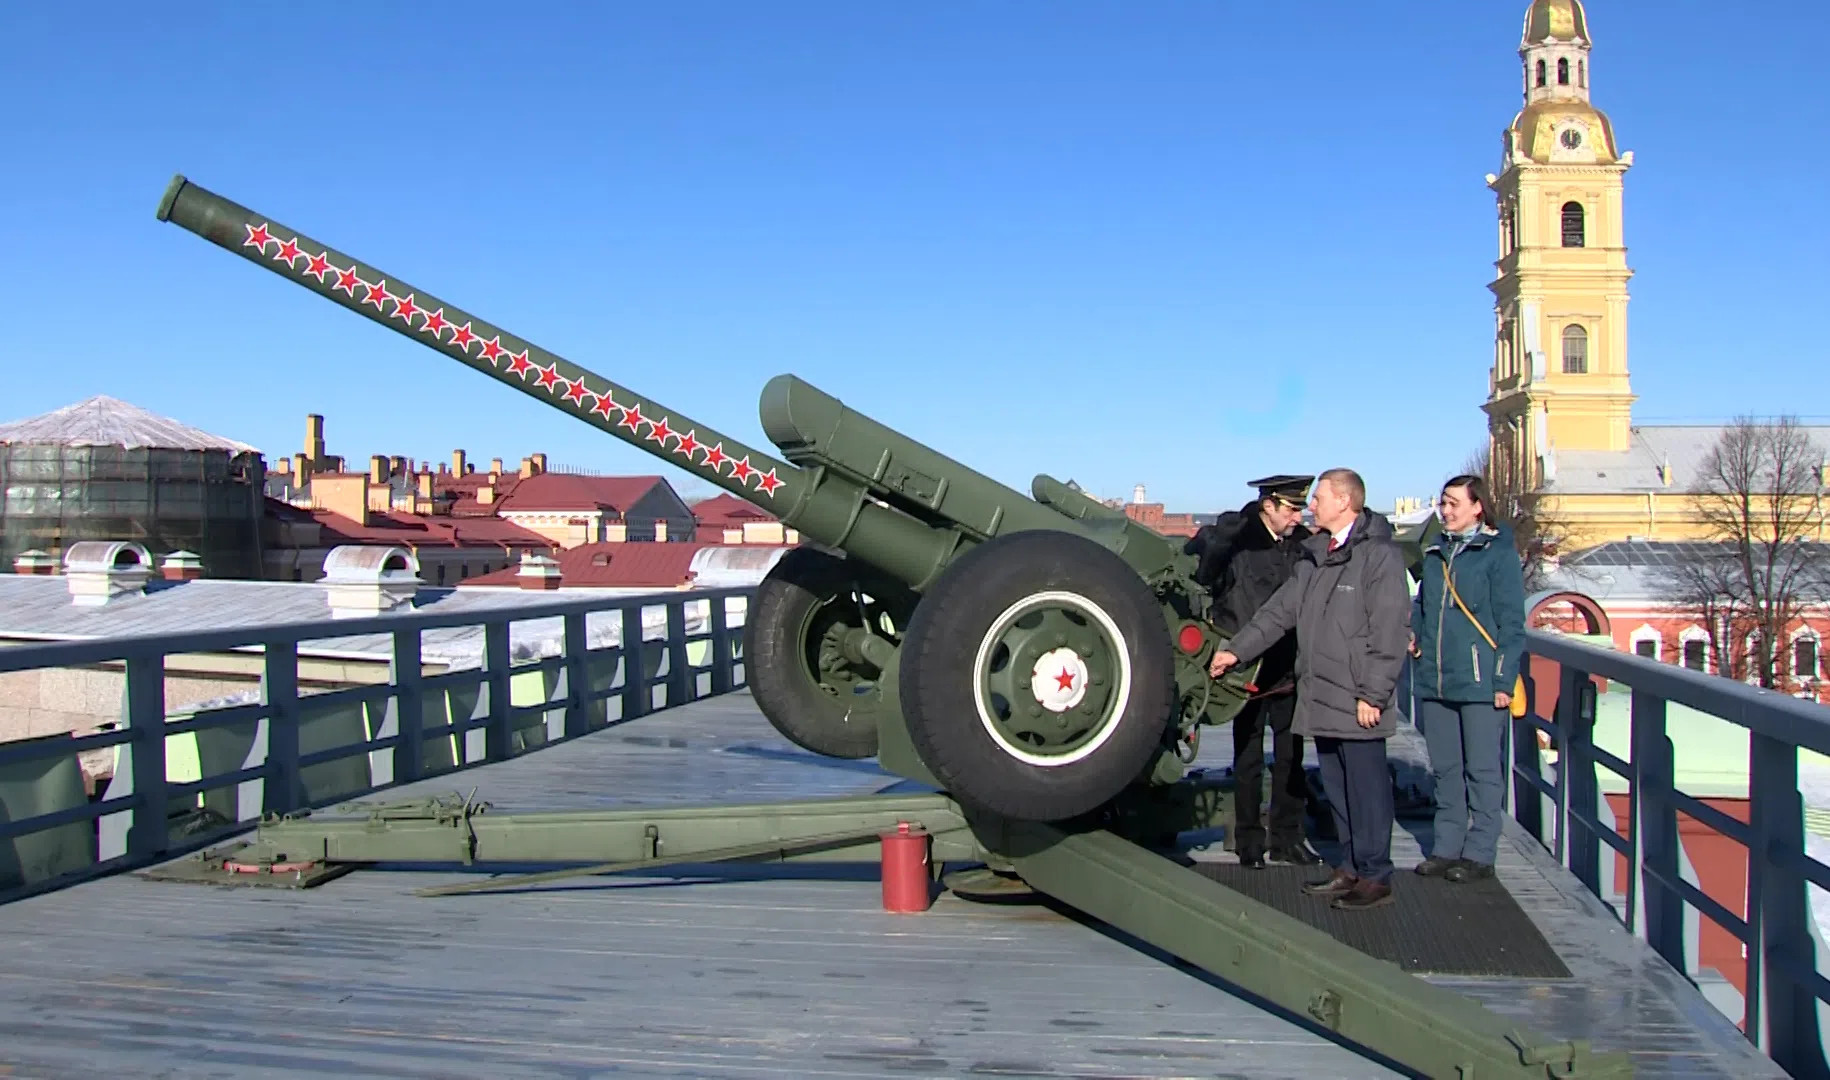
[(1578, 784), (409, 707), (145, 691), (1655, 827), (722, 661), (637, 700), (578, 678), (1527, 763), (495, 667), (679, 668), (1778, 906), (282, 791)]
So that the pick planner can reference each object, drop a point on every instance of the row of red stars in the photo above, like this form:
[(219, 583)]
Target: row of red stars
[(547, 378)]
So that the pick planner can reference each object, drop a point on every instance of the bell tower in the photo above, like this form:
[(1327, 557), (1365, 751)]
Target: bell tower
[(1559, 377)]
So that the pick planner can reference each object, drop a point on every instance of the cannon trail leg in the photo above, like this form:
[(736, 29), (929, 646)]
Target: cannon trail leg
[(1367, 1001)]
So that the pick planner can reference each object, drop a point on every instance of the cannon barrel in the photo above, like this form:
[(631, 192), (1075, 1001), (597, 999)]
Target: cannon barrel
[(850, 504)]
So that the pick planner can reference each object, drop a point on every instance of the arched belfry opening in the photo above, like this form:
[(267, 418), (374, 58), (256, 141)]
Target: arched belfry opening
[(1574, 226)]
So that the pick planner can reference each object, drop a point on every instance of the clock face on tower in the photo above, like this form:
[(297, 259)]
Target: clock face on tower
[(1571, 138)]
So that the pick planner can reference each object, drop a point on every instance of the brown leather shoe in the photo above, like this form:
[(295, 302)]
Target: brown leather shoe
[(1364, 894), (1341, 883), (1436, 866)]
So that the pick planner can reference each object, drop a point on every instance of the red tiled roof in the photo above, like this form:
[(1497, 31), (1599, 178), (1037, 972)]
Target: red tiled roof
[(413, 530), (637, 564), (565, 491), (466, 488), (728, 511)]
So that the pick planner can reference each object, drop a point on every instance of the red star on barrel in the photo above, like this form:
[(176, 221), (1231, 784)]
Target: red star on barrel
[(492, 349), (603, 405), (1065, 680), (257, 237), (632, 417), (317, 266), (741, 470), (462, 336), (405, 309), (518, 365), (548, 377), (377, 293), (576, 392), (716, 457), (435, 322), (347, 281), (768, 482), (688, 444), (660, 432), (289, 250)]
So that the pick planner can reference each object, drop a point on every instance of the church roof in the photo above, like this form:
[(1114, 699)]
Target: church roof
[(1683, 447), (1536, 127), (1563, 20), (106, 421)]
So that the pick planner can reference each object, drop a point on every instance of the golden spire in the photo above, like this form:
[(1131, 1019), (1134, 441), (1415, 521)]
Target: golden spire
[(1563, 20)]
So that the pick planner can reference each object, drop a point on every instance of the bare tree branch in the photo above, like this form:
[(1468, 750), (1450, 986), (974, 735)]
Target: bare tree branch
[(1760, 496), (1536, 531)]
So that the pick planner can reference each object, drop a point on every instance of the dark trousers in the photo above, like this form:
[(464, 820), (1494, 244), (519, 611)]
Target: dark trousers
[(1289, 788), (1465, 741), (1359, 790)]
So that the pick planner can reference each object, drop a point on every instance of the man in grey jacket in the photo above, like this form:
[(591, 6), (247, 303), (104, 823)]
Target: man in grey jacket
[(1350, 604)]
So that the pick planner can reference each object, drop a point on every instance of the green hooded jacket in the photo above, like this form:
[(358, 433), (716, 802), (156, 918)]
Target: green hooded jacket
[(1455, 663)]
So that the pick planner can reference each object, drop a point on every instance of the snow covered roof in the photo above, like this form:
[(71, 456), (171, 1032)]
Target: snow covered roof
[(106, 421)]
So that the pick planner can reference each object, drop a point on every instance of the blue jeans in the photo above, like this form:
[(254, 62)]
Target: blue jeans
[(1465, 739)]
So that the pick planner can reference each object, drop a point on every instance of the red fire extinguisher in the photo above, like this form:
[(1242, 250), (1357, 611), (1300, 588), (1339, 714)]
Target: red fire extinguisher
[(906, 877)]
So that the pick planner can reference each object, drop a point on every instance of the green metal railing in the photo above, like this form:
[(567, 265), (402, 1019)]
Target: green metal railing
[(187, 778), (1784, 988)]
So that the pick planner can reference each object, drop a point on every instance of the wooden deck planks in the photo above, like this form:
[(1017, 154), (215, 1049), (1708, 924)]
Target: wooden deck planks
[(758, 971)]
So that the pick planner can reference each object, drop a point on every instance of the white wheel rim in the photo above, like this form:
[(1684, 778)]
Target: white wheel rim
[(1121, 693)]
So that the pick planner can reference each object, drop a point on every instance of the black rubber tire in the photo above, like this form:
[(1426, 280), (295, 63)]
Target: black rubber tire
[(936, 679), (775, 654)]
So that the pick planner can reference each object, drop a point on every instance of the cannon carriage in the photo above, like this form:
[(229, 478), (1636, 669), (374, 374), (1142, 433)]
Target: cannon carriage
[(1040, 660)]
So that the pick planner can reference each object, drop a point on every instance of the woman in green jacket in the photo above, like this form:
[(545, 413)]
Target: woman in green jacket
[(1468, 626)]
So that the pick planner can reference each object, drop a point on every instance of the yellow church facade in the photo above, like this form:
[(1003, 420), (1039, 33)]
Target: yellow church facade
[(1560, 401)]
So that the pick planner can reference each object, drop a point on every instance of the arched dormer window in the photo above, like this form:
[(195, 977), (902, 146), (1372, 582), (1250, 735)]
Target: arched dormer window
[(1573, 233), (1540, 73), (1563, 71), (1575, 350)]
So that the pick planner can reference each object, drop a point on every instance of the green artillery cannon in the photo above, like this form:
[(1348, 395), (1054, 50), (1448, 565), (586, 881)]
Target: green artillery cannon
[(1041, 661), (1044, 654)]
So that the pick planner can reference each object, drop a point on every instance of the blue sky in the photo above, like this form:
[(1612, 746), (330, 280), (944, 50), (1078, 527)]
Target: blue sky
[(1180, 244)]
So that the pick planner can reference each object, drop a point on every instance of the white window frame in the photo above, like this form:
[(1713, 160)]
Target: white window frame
[(1690, 633), (1648, 632)]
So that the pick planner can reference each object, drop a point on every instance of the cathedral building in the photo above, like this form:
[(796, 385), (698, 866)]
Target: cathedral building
[(1560, 401)]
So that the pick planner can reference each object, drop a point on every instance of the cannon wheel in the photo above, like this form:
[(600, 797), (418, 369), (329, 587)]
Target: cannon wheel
[(800, 650), (1037, 676)]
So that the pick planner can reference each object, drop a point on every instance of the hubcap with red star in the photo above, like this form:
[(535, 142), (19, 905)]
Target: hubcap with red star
[(1051, 675)]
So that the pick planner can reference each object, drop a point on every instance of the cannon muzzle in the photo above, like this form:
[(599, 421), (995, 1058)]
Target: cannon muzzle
[(505, 357)]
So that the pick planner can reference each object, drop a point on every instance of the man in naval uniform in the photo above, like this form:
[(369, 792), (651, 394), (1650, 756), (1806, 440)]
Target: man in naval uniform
[(1243, 558)]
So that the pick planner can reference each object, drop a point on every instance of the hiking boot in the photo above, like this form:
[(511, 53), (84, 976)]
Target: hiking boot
[(1465, 871), (1339, 884), (1364, 894), (1436, 866)]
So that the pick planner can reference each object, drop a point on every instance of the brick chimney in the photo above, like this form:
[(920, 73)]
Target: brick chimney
[(35, 562), (378, 469), (539, 461), (99, 571), (538, 572), (495, 466), (181, 566), (527, 468), (457, 462)]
